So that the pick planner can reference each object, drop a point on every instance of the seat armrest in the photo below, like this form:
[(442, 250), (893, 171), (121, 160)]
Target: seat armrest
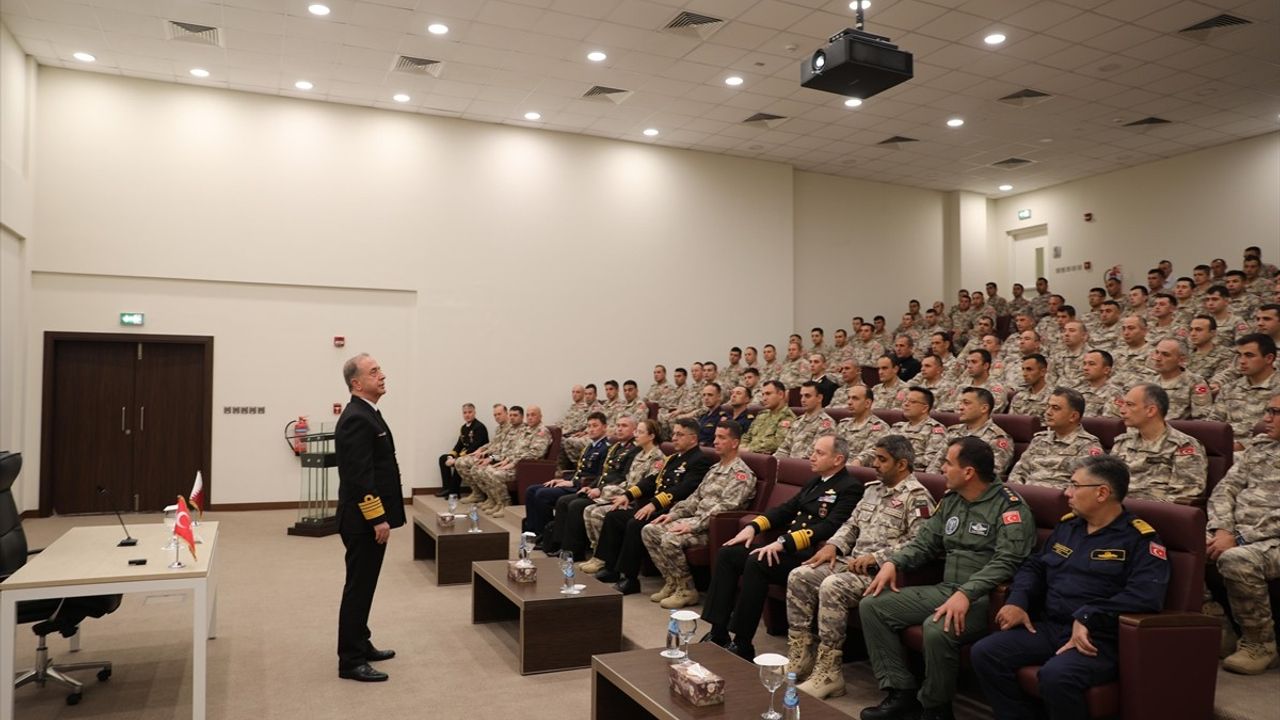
[(37, 551), (1144, 621), (530, 473), (1168, 664)]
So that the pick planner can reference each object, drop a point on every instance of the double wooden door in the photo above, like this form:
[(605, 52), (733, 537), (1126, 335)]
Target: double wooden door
[(128, 415)]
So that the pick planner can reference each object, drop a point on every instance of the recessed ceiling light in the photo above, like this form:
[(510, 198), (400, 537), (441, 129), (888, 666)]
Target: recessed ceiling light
[(318, 9), (733, 81), (596, 56), (400, 97), (199, 72), (650, 132), (1006, 188), (83, 57), (303, 85), (955, 122), (532, 116), (852, 102), (437, 28), (865, 4), (994, 39)]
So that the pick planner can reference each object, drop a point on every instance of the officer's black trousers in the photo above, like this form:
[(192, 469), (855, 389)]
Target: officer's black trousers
[(364, 564), (449, 479), (735, 609), (621, 547), (1064, 679), (569, 531)]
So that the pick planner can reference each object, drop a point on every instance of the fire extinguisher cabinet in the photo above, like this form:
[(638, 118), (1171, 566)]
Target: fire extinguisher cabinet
[(318, 500)]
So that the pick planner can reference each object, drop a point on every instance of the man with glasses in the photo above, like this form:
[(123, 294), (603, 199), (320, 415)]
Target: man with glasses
[(1244, 542), (928, 437), (1101, 561), (1049, 457)]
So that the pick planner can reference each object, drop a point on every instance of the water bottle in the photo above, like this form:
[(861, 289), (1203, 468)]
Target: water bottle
[(673, 636), (791, 700), (474, 517)]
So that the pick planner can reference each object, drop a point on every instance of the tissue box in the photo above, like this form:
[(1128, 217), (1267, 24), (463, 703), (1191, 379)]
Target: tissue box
[(522, 573), (444, 520), (695, 683)]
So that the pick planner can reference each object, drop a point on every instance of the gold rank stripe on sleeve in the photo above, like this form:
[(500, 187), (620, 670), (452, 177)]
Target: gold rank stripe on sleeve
[(762, 523), (802, 538), (634, 491), (371, 507), (663, 499)]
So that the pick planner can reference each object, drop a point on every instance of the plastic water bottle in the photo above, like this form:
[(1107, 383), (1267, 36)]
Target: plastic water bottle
[(673, 635), (791, 700)]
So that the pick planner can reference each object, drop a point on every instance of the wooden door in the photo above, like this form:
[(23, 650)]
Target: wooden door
[(92, 428), (171, 421)]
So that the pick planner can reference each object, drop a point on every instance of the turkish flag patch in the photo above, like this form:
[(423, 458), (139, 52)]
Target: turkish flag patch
[(1002, 444), (826, 424), (939, 430), (1012, 517), (1202, 389), (1187, 450), (740, 476), (1095, 451), (1158, 550)]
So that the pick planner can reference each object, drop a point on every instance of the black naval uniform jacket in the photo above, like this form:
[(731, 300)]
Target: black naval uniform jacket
[(617, 463), (471, 437), (368, 475), (680, 475), (813, 514)]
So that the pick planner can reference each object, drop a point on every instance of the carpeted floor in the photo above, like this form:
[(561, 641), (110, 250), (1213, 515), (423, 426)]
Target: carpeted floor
[(275, 652)]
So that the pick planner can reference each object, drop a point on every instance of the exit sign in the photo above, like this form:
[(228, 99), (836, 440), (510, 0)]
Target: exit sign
[(133, 318), (1024, 214)]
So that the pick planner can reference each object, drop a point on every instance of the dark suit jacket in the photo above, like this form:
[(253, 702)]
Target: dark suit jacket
[(368, 475)]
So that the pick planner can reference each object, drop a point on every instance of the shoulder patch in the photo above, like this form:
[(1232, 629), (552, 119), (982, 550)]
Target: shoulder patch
[(740, 476), (1095, 450), (1013, 496), (1002, 444), (826, 424), (1187, 449), (1143, 527), (939, 430)]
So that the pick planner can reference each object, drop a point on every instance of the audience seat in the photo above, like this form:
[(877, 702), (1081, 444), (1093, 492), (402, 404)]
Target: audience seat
[(793, 397), (765, 468), (870, 375), (653, 409), (1219, 446), (892, 417), (838, 413), (536, 472), (946, 418), (1106, 429), (1020, 428)]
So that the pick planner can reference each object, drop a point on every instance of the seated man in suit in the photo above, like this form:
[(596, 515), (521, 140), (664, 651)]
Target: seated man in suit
[(807, 519), (540, 499), (567, 530), (1101, 561), (620, 546)]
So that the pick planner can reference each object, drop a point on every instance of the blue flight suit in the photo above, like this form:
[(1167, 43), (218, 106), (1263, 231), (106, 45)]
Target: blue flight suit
[(744, 420), (1076, 576), (707, 425), (540, 500)]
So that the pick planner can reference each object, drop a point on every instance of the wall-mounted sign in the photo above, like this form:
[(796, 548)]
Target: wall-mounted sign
[(132, 318), (1024, 214)]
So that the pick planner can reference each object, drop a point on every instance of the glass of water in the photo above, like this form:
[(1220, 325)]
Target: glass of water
[(452, 500), (686, 626), (773, 672)]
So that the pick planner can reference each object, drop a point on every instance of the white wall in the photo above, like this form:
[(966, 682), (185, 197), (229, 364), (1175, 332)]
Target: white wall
[(532, 258), (863, 248), (1188, 209)]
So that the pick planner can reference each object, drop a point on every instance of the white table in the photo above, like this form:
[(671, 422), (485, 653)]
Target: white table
[(86, 561)]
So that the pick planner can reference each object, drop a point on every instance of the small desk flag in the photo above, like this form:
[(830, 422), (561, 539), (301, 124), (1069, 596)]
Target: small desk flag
[(182, 527)]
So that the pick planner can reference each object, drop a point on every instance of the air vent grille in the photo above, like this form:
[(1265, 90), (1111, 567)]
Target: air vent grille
[(193, 33), (1012, 163), (1025, 98), (694, 25), (417, 66), (898, 140), (1213, 27), (1146, 121), (769, 120), (604, 93)]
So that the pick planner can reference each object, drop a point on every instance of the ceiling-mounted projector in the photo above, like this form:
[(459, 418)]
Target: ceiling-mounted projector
[(856, 64)]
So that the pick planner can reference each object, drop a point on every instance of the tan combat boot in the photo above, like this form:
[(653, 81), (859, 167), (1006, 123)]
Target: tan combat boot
[(496, 511), (685, 594), (800, 649), (827, 679), (475, 496), (591, 567), (668, 587), (1253, 658)]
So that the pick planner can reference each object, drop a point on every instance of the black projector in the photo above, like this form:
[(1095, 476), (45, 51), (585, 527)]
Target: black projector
[(856, 64)]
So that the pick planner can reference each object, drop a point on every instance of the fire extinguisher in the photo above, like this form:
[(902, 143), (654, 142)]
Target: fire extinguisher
[(300, 428)]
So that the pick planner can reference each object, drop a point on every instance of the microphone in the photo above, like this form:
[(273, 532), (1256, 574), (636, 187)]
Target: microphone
[(129, 540)]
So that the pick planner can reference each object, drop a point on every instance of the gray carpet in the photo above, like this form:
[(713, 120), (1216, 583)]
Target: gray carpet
[(275, 652)]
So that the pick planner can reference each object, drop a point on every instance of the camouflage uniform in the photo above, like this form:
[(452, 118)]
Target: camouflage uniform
[(1172, 468), (647, 462), (530, 445), (1106, 337), (1047, 460), (1157, 332), (943, 390), (999, 304), (768, 430), (612, 409), (865, 353), (468, 465), (730, 377), (637, 410), (662, 394), (1231, 327), (1130, 366), (962, 321), (1189, 397), (1018, 304), (928, 439), (575, 419), (573, 446), (770, 371), (1050, 333), (801, 433), (990, 433), (889, 398), (795, 372), (1243, 305), (998, 390), (1067, 369), (840, 354), (1040, 305), (1240, 404), (1102, 401), (1028, 402), (840, 398), (862, 437), (883, 521), (723, 488), (1208, 364), (1246, 503)]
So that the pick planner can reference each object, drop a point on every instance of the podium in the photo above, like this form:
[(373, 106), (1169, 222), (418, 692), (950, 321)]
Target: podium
[(317, 502)]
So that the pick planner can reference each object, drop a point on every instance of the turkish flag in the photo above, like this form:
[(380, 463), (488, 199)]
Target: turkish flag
[(182, 527), (197, 494)]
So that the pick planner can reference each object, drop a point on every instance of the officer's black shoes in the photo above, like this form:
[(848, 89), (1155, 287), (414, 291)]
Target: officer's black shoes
[(746, 651), (942, 712), (712, 637), (897, 705), (376, 655), (627, 585), (444, 492), (608, 576), (362, 673)]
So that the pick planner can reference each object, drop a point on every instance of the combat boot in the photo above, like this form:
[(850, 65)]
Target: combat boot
[(1253, 658), (800, 646), (684, 595), (591, 567), (1227, 643), (475, 496), (668, 587), (498, 509), (827, 679), (896, 705)]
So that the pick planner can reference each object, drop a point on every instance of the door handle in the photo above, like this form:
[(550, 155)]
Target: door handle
[(123, 429), (142, 418)]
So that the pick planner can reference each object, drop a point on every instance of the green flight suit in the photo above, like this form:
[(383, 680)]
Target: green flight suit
[(766, 431), (984, 542)]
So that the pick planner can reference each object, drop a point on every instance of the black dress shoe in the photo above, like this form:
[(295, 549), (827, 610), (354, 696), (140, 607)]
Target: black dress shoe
[(942, 712), (746, 651), (608, 576), (375, 655), (444, 492), (627, 586), (363, 673), (897, 705), (711, 637)]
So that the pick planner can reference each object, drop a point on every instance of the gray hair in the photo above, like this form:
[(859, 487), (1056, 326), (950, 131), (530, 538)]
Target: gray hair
[(351, 368), (839, 445), (898, 447)]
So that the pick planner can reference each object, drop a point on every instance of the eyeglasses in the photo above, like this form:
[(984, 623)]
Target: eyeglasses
[(1078, 486), (1271, 412)]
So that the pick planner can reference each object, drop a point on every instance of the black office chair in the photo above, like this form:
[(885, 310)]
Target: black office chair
[(54, 615)]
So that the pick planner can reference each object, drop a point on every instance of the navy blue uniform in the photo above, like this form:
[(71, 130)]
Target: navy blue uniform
[(744, 419), (539, 500), (1076, 576), (707, 425)]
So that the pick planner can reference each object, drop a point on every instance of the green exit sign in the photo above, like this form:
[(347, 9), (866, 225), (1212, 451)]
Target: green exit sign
[(132, 319), (1024, 214)]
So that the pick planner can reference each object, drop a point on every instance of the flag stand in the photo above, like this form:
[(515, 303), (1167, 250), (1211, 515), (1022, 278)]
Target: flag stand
[(176, 564)]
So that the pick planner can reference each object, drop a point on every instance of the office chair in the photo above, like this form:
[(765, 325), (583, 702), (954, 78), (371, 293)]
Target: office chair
[(57, 614)]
